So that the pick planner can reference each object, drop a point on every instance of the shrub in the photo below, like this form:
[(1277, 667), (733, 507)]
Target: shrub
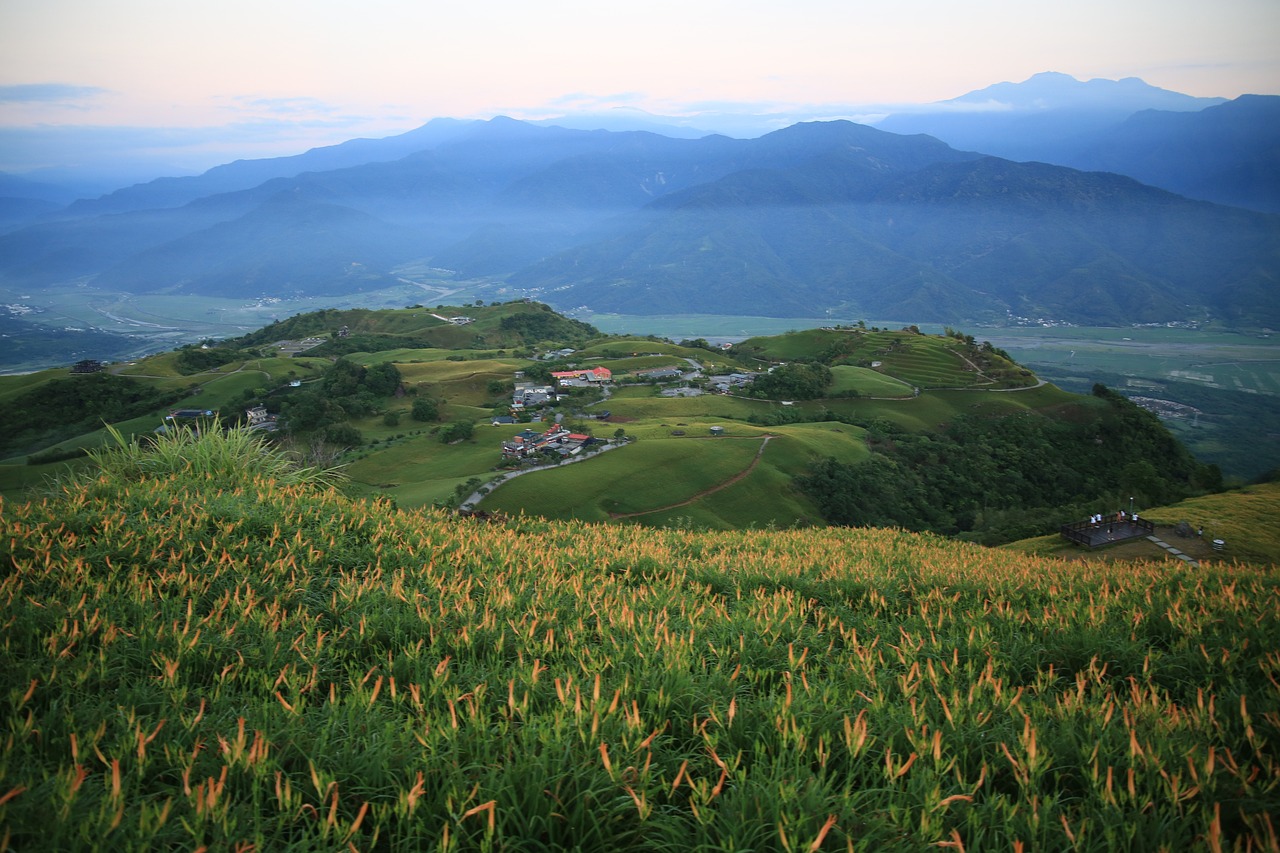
[(226, 458)]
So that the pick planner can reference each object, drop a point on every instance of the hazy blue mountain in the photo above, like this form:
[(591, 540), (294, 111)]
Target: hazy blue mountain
[(818, 217), (624, 119), (498, 196), (960, 240), (290, 244), (1050, 91), (1229, 153), (20, 186), (244, 174), (1205, 148), (1045, 117), (23, 200), (19, 211)]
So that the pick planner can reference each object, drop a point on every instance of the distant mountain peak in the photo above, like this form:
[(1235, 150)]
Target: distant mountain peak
[(1053, 90)]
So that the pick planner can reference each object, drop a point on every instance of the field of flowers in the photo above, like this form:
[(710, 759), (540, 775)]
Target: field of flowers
[(213, 660)]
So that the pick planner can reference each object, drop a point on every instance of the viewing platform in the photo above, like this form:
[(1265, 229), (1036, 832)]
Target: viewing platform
[(1109, 531)]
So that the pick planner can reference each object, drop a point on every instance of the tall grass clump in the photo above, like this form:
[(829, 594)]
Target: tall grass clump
[(213, 456)]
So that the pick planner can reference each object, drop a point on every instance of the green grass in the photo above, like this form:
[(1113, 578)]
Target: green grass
[(647, 475), (195, 662), (1246, 518), (867, 382), (418, 470), (660, 471)]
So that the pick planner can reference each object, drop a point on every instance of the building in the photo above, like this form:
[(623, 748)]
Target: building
[(527, 395), (258, 418), (556, 440), (594, 375), (723, 382), (659, 373), (529, 443)]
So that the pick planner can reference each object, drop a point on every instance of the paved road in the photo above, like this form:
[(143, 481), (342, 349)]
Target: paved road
[(475, 497)]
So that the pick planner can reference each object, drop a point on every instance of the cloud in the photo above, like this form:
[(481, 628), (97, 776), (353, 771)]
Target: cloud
[(33, 93), (958, 106), (288, 106), (587, 101)]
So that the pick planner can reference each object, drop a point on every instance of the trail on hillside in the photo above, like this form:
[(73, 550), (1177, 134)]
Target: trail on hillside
[(702, 494)]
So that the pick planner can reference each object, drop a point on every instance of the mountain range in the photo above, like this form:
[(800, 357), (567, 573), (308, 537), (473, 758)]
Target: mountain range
[(1204, 148), (820, 217)]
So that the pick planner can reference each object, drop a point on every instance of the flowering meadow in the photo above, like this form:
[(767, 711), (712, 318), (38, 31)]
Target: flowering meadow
[(200, 660)]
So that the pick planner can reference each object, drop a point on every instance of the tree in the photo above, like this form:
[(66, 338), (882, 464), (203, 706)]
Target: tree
[(343, 379), (425, 409), (382, 379), (457, 431), (795, 381), (343, 434)]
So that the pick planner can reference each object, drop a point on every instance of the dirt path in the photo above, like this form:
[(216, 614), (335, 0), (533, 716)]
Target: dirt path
[(700, 495)]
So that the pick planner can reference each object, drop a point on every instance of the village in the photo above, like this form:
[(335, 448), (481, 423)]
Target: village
[(530, 400)]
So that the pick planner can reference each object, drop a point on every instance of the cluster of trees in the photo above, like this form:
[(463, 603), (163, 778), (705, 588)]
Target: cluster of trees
[(546, 325), (346, 390), (64, 408), (196, 359), (794, 381), (996, 480)]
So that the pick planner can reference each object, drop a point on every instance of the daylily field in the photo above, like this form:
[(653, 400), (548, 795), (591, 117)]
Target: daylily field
[(211, 659)]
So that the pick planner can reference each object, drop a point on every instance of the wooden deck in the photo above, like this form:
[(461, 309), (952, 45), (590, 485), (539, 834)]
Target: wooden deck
[(1109, 532)]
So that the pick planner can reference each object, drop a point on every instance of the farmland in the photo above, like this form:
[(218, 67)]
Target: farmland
[(206, 656)]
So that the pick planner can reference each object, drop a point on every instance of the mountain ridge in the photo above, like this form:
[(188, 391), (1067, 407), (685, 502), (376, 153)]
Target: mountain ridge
[(527, 206)]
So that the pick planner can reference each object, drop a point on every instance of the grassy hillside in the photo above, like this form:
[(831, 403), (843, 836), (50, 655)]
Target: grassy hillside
[(379, 390), (1247, 520), (210, 658)]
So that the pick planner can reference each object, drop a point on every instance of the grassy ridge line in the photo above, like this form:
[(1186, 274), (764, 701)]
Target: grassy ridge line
[(213, 659)]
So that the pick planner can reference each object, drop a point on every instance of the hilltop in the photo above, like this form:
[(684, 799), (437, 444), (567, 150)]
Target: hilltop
[(204, 649), (439, 406)]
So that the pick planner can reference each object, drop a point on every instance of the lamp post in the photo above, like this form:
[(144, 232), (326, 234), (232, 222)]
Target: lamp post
[(1131, 507)]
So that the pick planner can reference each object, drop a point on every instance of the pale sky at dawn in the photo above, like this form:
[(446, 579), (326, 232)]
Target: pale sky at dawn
[(209, 82)]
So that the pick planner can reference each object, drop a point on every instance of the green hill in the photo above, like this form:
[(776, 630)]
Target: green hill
[(197, 655), (863, 426)]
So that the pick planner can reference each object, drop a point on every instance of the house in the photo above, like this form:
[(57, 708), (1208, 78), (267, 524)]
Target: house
[(658, 373), (194, 418), (527, 394), (529, 443), (723, 382), (190, 414), (258, 418), (595, 374)]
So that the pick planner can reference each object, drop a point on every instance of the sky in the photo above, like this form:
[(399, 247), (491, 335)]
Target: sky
[(190, 85)]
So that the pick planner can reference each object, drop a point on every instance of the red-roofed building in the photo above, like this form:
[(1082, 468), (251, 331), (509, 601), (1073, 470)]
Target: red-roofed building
[(595, 374)]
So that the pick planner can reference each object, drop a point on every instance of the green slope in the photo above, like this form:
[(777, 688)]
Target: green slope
[(211, 659)]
